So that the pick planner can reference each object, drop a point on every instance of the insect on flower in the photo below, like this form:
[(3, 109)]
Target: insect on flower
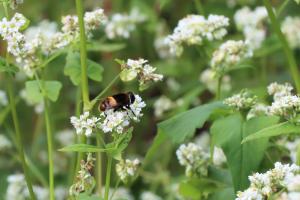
[(121, 101)]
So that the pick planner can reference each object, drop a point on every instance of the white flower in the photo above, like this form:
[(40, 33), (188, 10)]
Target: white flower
[(229, 54), (118, 120), (139, 68), (127, 169), (5, 144), (65, 137), (244, 17), (193, 158), (84, 124), (147, 195), (242, 100), (287, 107), (3, 98), (280, 90), (219, 157), (16, 187), (291, 28), (121, 25), (161, 105), (193, 29), (250, 194), (292, 147), (254, 36), (209, 79)]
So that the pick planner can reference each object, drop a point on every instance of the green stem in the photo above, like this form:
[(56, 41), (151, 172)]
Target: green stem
[(287, 50), (199, 7), (83, 56), (107, 177), (20, 147), (99, 164), (218, 94), (94, 101), (282, 7), (50, 149)]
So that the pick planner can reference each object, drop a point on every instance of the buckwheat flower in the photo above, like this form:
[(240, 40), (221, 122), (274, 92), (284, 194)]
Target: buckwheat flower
[(293, 183), (219, 157), (140, 69), (16, 187), (147, 195), (162, 48), (241, 101), (193, 158), (280, 90), (258, 110), (229, 54), (5, 144), (246, 17), (127, 169), (94, 19), (250, 194), (121, 25), (291, 29), (263, 182), (287, 107), (193, 29), (161, 105), (3, 98), (84, 182), (292, 147), (254, 36), (209, 79), (84, 124), (65, 137)]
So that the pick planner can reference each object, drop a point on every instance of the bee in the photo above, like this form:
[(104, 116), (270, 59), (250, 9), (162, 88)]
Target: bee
[(121, 101)]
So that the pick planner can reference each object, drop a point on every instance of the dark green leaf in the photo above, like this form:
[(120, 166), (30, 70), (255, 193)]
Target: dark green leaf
[(275, 130), (105, 47), (182, 126), (94, 71), (7, 68), (228, 134)]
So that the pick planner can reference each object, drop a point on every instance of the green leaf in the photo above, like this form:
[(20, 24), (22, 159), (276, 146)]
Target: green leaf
[(73, 68), (278, 129), (105, 47), (94, 71), (10, 68), (34, 93), (120, 144), (228, 134), (83, 148), (182, 126)]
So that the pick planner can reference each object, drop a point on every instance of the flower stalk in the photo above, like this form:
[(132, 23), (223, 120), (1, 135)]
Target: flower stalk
[(287, 50), (107, 177)]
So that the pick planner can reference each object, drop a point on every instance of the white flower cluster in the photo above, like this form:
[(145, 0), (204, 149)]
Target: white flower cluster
[(241, 101), (292, 146), (262, 186), (127, 169), (285, 103), (84, 124), (147, 195), (252, 23), (193, 158), (65, 137), (162, 48), (3, 98), (233, 3), (17, 190), (84, 182), (229, 54), (258, 109), (291, 28), (121, 25), (161, 105), (5, 144), (193, 29), (209, 79), (140, 69), (43, 39), (109, 120)]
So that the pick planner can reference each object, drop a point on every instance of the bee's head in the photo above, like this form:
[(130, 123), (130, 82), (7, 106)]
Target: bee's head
[(131, 97), (102, 106)]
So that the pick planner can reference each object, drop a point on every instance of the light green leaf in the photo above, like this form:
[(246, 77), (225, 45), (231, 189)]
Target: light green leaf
[(182, 126), (10, 68), (228, 134), (73, 68), (84, 148), (94, 71), (35, 94), (275, 130)]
